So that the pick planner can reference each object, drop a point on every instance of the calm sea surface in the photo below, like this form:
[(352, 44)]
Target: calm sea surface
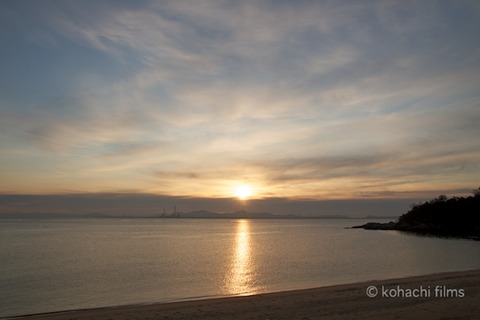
[(51, 265)]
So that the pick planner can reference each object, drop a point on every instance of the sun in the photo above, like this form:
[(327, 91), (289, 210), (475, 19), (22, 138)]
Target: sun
[(243, 192)]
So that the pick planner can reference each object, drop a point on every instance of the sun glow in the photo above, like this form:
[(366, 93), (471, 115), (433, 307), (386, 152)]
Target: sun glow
[(243, 192)]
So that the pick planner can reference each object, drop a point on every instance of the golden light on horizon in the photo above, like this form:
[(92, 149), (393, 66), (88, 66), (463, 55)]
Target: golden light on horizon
[(243, 192)]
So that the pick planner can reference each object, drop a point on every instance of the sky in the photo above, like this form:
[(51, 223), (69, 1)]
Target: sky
[(327, 106)]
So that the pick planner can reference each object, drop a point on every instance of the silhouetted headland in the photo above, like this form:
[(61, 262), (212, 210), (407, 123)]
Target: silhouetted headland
[(202, 214), (456, 217)]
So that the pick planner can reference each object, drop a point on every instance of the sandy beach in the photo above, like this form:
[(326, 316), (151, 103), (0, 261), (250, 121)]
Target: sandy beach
[(453, 295)]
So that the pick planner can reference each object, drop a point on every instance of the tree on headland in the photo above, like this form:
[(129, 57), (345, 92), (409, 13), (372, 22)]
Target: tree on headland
[(442, 216), (456, 216), (476, 193)]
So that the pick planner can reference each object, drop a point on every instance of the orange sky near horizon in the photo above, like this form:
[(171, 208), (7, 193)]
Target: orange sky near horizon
[(321, 101)]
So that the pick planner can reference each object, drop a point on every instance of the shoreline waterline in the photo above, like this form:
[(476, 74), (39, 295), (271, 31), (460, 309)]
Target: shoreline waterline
[(50, 266), (315, 303)]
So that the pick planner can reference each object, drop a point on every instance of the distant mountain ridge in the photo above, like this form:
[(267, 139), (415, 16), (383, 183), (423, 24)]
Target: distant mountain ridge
[(242, 214), (202, 214), (198, 214)]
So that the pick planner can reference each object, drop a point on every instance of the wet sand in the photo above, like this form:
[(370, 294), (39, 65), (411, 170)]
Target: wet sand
[(454, 295)]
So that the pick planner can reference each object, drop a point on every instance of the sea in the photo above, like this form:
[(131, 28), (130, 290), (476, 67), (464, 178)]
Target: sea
[(52, 265)]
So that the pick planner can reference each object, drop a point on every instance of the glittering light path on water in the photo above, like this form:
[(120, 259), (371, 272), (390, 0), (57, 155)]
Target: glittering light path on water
[(240, 277)]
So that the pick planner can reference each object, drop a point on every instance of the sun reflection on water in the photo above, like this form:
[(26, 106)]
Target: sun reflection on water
[(240, 277)]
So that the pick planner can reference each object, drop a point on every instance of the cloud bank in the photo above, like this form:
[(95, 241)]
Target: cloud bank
[(323, 100)]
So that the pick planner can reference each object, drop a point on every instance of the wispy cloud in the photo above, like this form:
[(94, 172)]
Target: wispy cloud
[(301, 99)]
